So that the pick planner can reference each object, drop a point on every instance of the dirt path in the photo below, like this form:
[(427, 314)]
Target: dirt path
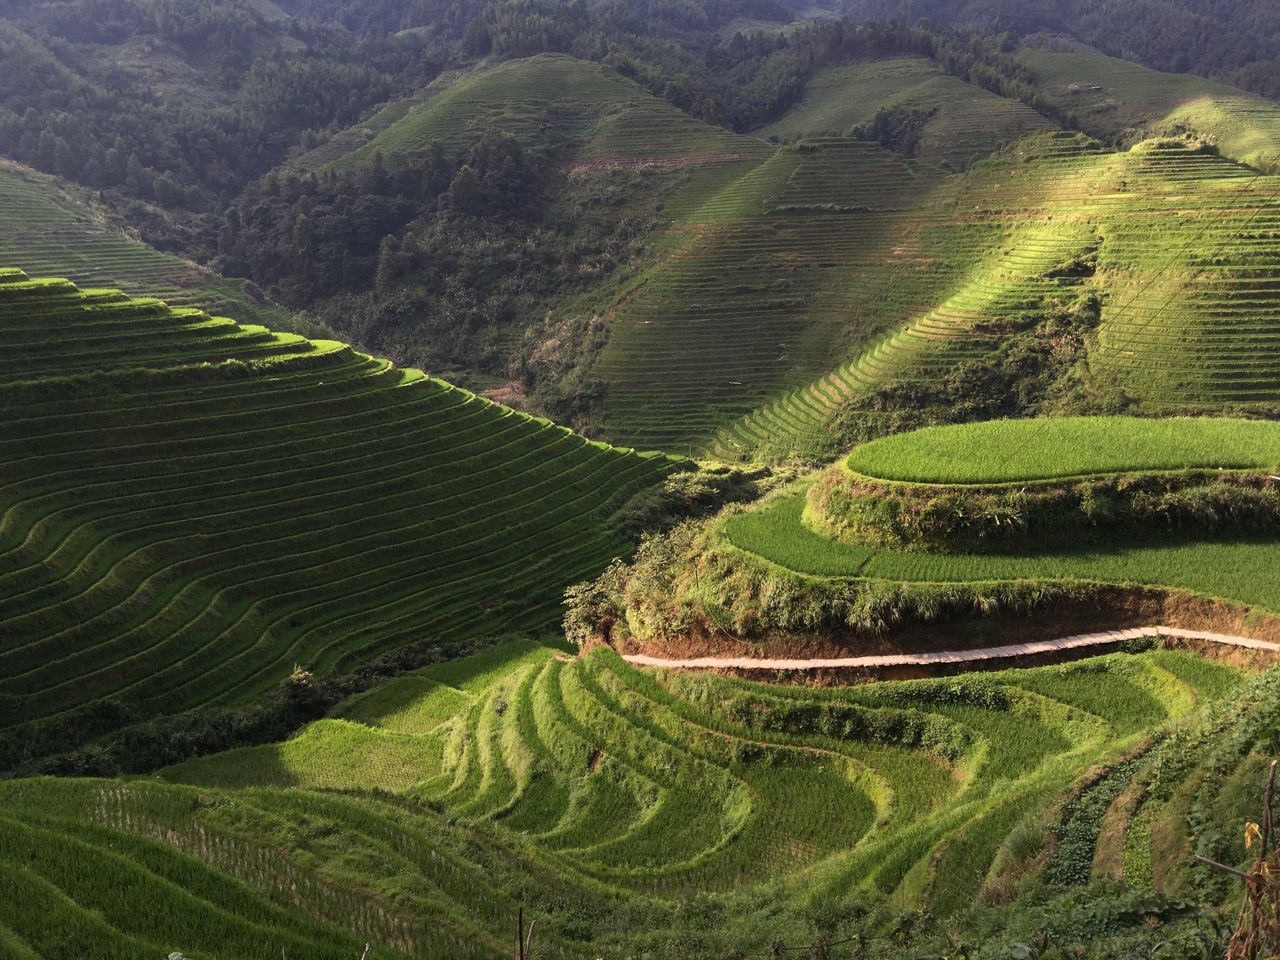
[(953, 656)]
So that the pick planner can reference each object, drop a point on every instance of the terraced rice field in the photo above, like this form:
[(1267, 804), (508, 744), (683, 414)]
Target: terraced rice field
[(191, 506), (1004, 451), (1241, 569), (1186, 270), (1246, 127), (834, 269), (766, 285), (967, 125), (602, 787), (51, 237), (557, 101)]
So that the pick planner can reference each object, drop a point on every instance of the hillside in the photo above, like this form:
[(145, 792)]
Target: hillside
[(193, 506), (600, 797), (684, 479), (584, 112), (1105, 97), (59, 231), (1019, 222), (961, 122), (1028, 524)]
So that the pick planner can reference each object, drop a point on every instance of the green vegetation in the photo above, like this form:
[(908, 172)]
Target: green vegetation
[(1107, 97), (964, 123), (192, 507), (585, 111), (604, 798), (57, 231), (1234, 569), (1008, 451)]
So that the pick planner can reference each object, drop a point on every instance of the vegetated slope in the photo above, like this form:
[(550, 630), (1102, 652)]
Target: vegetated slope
[(601, 797), (962, 122), (586, 111), (1172, 240), (1105, 97), (191, 507), (764, 284), (53, 233), (1204, 527)]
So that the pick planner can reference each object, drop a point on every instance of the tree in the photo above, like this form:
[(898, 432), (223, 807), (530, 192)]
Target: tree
[(465, 194)]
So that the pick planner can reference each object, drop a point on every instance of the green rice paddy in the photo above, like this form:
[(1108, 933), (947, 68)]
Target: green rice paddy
[(191, 506), (610, 790), (1242, 570), (1006, 451)]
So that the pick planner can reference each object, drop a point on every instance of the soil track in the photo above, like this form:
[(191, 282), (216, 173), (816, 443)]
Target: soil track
[(941, 657)]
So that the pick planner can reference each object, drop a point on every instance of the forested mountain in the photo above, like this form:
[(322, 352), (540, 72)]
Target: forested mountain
[(1237, 41)]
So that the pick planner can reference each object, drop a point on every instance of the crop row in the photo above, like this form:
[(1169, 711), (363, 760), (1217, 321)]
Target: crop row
[(618, 783), (191, 543)]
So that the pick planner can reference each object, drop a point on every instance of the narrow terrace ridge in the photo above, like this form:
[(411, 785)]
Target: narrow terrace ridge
[(1076, 642)]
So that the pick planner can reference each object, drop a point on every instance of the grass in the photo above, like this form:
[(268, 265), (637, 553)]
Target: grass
[(617, 789), (1239, 570), (1008, 451), (202, 505), (968, 124)]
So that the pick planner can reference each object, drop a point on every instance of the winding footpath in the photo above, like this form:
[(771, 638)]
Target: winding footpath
[(1076, 642)]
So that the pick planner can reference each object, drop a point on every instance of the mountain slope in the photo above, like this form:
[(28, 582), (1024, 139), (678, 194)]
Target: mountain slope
[(583, 112), (962, 122), (599, 798), (191, 507)]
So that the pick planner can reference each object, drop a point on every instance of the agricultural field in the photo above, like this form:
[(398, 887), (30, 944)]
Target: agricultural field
[(967, 123), (1221, 560), (1187, 312), (599, 797), (193, 508), (1239, 569), (1006, 451), (1106, 97), (756, 327), (56, 232), (583, 111)]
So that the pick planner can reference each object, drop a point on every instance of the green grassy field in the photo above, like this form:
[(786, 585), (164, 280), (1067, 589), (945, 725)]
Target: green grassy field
[(597, 795), (1006, 451), (190, 507)]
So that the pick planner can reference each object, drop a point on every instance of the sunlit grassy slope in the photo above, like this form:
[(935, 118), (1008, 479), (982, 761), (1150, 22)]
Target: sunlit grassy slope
[(191, 506), (1184, 271), (595, 795), (834, 269), (1105, 96)]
